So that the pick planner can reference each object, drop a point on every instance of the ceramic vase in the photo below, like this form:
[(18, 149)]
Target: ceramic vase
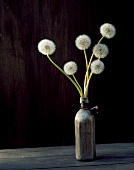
[(85, 147)]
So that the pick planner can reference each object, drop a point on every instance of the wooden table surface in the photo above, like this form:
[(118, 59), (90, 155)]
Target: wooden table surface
[(115, 156)]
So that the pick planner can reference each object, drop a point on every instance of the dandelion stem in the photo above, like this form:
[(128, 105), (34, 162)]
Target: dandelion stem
[(86, 58), (74, 83), (86, 88), (88, 66), (100, 39), (78, 85), (87, 72)]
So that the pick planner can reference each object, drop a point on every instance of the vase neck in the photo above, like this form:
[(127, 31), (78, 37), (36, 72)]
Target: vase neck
[(84, 102)]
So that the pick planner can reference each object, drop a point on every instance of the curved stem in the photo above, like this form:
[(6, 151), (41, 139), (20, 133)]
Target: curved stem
[(75, 84), (87, 71), (78, 85), (100, 39)]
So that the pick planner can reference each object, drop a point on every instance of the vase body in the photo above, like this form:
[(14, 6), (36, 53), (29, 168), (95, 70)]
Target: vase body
[(85, 147)]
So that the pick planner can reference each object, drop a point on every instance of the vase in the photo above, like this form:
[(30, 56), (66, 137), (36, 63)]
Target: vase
[(85, 146)]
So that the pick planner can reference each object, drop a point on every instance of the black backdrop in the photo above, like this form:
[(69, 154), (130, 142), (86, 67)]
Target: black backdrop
[(37, 103)]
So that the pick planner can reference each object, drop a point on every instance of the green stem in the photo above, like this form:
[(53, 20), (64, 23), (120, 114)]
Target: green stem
[(78, 85), (86, 88), (100, 39), (86, 58), (75, 84), (87, 71), (86, 76)]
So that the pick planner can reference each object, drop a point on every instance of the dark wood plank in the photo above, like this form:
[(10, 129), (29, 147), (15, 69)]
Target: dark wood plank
[(118, 156)]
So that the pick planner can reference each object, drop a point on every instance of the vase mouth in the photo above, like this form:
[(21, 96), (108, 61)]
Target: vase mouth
[(84, 99)]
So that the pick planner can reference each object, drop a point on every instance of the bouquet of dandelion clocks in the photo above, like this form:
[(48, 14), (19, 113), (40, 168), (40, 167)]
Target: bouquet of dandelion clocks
[(93, 66)]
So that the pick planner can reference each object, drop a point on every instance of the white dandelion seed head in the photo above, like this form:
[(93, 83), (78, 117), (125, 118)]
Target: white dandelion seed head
[(100, 50), (97, 66), (107, 30), (83, 42), (46, 47), (70, 68)]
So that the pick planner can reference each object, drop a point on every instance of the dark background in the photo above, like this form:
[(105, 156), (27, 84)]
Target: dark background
[(37, 103)]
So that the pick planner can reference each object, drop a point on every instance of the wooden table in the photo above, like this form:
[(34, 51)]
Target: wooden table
[(116, 156)]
